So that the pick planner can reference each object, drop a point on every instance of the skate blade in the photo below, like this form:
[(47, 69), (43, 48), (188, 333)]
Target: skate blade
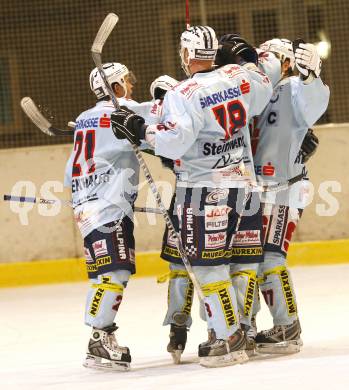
[(176, 356), (284, 347), (250, 352), (250, 348), (99, 363), (230, 359)]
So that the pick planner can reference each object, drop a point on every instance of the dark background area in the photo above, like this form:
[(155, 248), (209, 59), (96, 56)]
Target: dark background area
[(45, 49)]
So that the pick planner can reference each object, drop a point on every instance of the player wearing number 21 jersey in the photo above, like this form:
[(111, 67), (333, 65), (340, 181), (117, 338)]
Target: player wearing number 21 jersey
[(103, 174)]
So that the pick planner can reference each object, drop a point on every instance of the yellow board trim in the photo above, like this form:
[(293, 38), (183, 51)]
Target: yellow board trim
[(150, 264)]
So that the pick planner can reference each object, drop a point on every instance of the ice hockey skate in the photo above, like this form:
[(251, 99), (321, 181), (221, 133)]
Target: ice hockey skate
[(220, 353), (178, 337), (281, 339), (104, 352), (250, 333)]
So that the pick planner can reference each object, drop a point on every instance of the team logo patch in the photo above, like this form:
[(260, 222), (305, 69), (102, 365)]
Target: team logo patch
[(211, 255), (121, 245), (191, 250), (156, 108), (171, 240), (88, 256), (97, 299), (189, 88), (189, 226), (278, 225), (232, 70), (245, 87), (216, 217), (104, 121), (216, 195), (266, 170), (247, 237), (103, 261), (227, 307), (255, 251), (92, 268), (132, 256), (171, 252), (215, 240), (288, 293), (100, 248)]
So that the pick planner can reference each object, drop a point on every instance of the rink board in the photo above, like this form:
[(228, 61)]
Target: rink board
[(150, 264)]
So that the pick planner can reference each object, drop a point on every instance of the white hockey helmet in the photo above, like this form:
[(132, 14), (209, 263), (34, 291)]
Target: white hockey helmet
[(282, 48), (115, 73), (201, 43), (161, 84)]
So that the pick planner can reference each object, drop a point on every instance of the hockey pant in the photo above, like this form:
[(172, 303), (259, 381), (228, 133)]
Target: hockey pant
[(104, 298), (220, 303)]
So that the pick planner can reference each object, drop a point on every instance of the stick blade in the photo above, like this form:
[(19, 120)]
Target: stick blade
[(104, 32), (34, 114)]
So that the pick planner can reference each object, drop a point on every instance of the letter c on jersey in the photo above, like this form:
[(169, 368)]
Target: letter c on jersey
[(272, 117)]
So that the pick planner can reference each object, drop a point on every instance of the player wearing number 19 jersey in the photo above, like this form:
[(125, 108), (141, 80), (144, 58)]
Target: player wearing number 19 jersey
[(207, 119), (205, 125), (103, 175)]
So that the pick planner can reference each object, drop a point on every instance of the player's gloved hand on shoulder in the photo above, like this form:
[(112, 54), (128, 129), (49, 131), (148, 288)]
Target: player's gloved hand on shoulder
[(309, 145), (234, 49), (128, 125), (308, 61), (167, 162)]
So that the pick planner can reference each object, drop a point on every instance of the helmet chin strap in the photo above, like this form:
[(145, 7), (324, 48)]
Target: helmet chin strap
[(184, 64)]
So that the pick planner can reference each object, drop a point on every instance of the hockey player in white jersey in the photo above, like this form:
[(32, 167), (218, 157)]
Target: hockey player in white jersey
[(203, 126), (285, 129), (161, 85), (103, 175), (158, 89), (297, 103), (247, 243)]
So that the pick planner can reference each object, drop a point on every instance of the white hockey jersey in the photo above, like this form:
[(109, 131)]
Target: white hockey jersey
[(280, 130), (102, 171), (206, 119)]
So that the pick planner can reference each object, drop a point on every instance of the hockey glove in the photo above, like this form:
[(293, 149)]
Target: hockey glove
[(308, 61), (128, 125), (167, 163), (309, 145), (234, 49)]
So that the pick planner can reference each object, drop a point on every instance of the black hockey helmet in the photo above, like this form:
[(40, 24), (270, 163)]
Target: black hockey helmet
[(233, 49)]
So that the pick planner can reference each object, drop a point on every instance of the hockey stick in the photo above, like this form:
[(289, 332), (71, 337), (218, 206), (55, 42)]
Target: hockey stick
[(265, 188), (34, 114), (96, 51), (28, 199), (187, 15), (278, 187)]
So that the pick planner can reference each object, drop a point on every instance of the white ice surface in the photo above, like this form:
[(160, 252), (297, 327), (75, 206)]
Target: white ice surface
[(43, 340)]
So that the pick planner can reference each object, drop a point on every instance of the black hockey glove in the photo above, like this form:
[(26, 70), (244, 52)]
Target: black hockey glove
[(167, 163), (309, 145), (234, 49), (128, 125)]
